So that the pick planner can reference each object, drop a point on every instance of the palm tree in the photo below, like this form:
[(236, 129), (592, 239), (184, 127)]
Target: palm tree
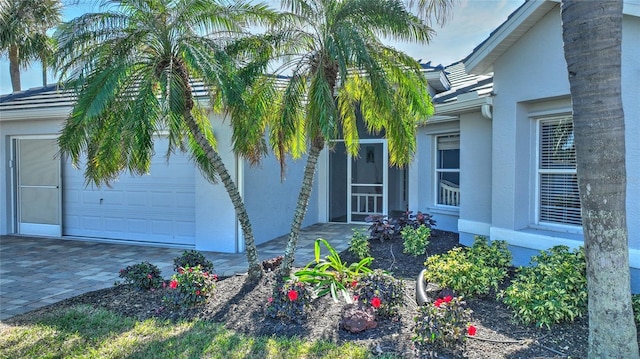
[(592, 33), (133, 66), (23, 33), (339, 67)]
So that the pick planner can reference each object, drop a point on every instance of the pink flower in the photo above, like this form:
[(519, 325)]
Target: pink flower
[(181, 270), (215, 277), (173, 284), (293, 295), (270, 300), (447, 299), (149, 276), (190, 270), (197, 292), (375, 302), (355, 298), (206, 274), (164, 284), (471, 330)]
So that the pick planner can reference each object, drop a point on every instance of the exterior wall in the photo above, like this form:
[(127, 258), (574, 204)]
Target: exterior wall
[(475, 177), (271, 203), (422, 177), (530, 81)]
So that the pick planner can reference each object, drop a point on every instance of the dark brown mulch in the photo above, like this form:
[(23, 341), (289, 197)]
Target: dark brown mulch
[(241, 308)]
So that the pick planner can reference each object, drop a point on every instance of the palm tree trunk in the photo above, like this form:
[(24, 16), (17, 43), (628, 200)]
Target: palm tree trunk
[(301, 208), (255, 269), (14, 68), (592, 33)]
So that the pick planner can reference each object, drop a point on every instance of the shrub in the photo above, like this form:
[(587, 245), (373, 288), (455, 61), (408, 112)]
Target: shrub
[(192, 259), (384, 228), (381, 228), (290, 301), (416, 240), (553, 289), (444, 323), (142, 276), (388, 290), (635, 303), (408, 219), (470, 271), (190, 286), (332, 275), (359, 245)]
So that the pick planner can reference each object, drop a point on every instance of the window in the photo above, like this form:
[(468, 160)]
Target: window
[(558, 197), (448, 170)]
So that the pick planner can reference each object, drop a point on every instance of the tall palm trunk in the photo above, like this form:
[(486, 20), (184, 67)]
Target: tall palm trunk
[(592, 33), (303, 203), (14, 68), (255, 269)]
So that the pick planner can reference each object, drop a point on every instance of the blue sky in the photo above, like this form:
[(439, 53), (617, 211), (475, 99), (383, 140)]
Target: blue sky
[(472, 22)]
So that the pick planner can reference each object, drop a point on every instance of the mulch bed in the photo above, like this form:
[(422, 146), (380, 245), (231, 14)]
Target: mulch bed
[(242, 309)]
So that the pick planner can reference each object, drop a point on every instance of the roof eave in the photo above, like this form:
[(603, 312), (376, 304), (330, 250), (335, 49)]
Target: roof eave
[(500, 40)]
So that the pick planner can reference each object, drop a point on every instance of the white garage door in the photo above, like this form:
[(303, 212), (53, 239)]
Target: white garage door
[(157, 207)]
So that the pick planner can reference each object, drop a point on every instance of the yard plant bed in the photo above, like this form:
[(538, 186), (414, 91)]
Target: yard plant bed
[(241, 308)]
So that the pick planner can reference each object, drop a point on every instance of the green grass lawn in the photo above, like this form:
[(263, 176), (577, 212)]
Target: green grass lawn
[(85, 332)]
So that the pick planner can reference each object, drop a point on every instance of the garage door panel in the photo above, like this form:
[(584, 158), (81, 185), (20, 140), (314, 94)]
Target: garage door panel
[(157, 207)]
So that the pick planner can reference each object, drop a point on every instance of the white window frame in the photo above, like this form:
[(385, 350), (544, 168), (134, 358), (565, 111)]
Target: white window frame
[(437, 170), (538, 172)]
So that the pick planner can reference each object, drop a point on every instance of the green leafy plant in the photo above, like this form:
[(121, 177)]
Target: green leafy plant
[(635, 303), (143, 276), (290, 301), (415, 240), (470, 271), (444, 323), (192, 258), (552, 290), (359, 245), (388, 290), (331, 274), (190, 286)]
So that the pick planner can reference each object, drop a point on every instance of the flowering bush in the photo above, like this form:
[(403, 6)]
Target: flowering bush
[(380, 290), (192, 258), (190, 286), (290, 301), (553, 289), (416, 240), (444, 323), (470, 271), (142, 276), (359, 245)]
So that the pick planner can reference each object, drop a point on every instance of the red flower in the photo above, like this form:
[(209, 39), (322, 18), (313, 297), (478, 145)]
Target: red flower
[(190, 270), (354, 284), (471, 330), (197, 292), (293, 295), (149, 276), (173, 284), (215, 277), (355, 298), (206, 274), (447, 299), (375, 302), (180, 270), (438, 302)]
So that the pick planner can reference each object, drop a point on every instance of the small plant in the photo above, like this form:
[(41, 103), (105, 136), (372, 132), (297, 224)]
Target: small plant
[(470, 271), (381, 228), (635, 303), (444, 323), (380, 290), (359, 245), (332, 275), (290, 301), (416, 240), (553, 289), (192, 258), (143, 276), (190, 286), (408, 219)]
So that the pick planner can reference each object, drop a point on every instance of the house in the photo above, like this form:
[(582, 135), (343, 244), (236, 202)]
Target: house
[(506, 140), (483, 166)]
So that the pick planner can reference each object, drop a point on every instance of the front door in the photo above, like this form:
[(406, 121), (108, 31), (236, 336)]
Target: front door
[(38, 192)]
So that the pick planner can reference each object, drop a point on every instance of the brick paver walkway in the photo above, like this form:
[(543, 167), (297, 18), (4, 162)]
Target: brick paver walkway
[(35, 272)]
